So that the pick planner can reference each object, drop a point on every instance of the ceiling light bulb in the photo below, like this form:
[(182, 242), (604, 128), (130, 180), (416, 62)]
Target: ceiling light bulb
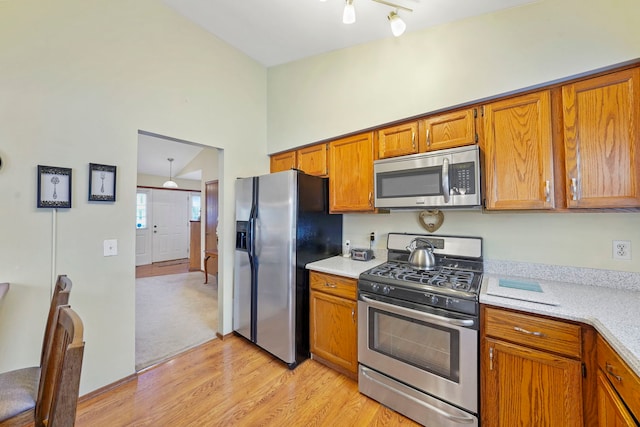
[(349, 14), (397, 25)]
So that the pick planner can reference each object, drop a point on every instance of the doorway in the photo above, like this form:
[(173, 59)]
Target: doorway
[(169, 298)]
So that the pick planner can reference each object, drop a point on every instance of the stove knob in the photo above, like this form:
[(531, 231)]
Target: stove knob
[(375, 287), (434, 299), (386, 290)]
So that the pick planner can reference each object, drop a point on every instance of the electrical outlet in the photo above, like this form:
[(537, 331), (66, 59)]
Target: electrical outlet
[(372, 236), (621, 249)]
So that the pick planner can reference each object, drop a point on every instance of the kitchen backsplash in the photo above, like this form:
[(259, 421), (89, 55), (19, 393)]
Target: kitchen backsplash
[(566, 245)]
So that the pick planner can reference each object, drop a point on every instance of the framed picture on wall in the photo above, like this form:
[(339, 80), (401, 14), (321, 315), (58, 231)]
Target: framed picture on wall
[(54, 187), (102, 183)]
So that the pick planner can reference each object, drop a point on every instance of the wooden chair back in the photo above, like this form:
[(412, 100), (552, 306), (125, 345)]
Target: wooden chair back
[(60, 374), (61, 294)]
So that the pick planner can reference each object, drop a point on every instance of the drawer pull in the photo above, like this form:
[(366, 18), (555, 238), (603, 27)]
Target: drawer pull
[(330, 285), (524, 331), (610, 371)]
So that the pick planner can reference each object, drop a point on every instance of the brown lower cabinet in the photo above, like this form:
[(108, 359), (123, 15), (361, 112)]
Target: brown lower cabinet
[(533, 371), (334, 322), (618, 389)]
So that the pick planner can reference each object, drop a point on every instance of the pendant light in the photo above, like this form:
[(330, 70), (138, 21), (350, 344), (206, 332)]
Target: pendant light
[(170, 183)]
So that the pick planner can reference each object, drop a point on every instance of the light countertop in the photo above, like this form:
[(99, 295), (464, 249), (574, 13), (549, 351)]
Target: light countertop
[(612, 312), (345, 266)]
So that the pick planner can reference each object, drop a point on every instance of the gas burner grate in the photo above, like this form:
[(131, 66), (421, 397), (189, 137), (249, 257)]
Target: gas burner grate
[(442, 276)]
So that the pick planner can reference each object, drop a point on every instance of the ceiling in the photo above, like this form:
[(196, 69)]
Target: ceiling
[(279, 31), (153, 152)]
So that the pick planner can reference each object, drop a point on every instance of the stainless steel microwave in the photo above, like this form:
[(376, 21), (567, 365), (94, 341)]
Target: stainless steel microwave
[(435, 180)]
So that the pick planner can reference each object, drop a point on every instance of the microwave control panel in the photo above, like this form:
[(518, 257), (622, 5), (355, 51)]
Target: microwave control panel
[(462, 178)]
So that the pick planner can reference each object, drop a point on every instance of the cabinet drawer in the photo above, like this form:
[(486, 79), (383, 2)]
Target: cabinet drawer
[(623, 379), (544, 334), (334, 285)]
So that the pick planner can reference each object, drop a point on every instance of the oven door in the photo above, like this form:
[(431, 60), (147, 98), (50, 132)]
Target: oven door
[(429, 349)]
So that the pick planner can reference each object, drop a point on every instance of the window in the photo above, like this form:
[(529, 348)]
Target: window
[(141, 211), (195, 207)]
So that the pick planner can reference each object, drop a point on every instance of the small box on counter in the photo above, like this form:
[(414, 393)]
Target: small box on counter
[(361, 254)]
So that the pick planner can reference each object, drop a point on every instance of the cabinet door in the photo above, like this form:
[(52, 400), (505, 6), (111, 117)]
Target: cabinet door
[(398, 140), (450, 130), (519, 153), (527, 387), (611, 410), (313, 160), (351, 174), (333, 331), (602, 141), (283, 161)]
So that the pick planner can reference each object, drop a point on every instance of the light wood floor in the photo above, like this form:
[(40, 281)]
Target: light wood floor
[(231, 382)]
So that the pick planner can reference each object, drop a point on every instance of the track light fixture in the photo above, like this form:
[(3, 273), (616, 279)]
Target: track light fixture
[(398, 26), (349, 14)]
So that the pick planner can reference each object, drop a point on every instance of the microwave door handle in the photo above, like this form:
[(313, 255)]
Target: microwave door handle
[(445, 180)]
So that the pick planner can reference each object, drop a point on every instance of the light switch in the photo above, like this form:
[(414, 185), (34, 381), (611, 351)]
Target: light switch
[(110, 247)]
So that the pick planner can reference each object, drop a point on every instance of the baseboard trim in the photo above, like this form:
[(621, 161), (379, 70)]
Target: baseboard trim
[(223, 337), (108, 387)]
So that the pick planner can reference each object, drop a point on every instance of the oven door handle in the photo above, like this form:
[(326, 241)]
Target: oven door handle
[(415, 313), (457, 419)]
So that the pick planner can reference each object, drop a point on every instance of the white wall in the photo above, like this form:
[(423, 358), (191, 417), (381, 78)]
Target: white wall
[(368, 85), (79, 79)]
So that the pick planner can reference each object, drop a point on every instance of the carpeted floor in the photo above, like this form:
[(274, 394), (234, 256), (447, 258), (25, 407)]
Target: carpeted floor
[(173, 313)]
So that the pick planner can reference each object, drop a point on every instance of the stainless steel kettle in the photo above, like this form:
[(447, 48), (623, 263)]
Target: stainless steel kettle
[(421, 257)]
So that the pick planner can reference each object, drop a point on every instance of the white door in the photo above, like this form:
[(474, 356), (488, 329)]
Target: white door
[(170, 225), (143, 220)]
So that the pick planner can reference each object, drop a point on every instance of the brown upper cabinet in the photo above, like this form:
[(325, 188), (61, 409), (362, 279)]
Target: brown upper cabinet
[(313, 160), (283, 161), (351, 174), (519, 153), (398, 140), (601, 119), (449, 130)]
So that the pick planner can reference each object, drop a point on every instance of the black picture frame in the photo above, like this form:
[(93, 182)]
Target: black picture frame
[(54, 187), (102, 183)]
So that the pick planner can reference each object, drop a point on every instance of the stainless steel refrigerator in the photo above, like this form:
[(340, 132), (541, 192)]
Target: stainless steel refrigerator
[(282, 223)]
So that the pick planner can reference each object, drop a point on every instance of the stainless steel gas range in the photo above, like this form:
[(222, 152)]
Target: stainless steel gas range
[(418, 331)]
